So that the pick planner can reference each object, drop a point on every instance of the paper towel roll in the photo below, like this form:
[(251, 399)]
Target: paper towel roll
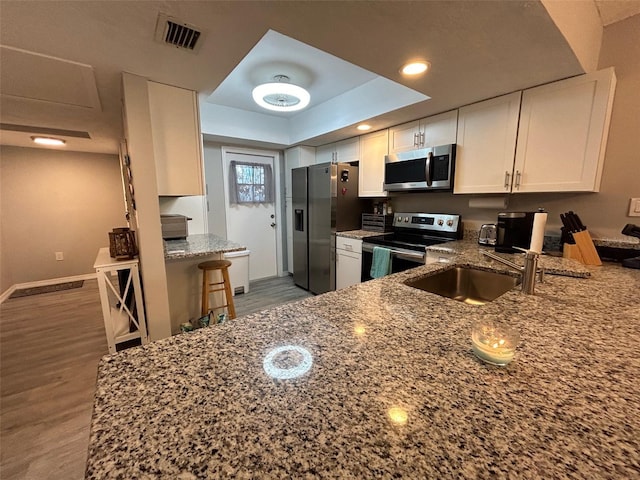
[(497, 203), (537, 234)]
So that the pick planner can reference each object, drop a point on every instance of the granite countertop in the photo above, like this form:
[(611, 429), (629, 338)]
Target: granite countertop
[(469, 251), (198, 245), (393, 389), (359, 234)]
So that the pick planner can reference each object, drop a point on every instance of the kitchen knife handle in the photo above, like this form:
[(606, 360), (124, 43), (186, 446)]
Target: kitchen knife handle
[(507, 180)]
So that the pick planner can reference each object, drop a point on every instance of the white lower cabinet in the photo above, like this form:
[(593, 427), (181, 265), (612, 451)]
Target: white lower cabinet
[(348, 261)]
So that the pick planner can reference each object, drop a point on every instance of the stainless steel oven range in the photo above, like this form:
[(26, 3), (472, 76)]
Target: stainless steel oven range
[(412, 234)]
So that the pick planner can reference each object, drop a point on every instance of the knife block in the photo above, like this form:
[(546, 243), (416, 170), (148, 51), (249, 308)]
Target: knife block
[(584, 250), (572, 251)]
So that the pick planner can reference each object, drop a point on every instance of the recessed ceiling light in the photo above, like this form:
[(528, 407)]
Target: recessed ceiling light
[(49, 141), (364, 127), (415, 68), (280, 96)]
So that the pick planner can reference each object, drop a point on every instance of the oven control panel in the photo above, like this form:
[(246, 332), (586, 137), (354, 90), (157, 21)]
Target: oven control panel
[(434, 222)]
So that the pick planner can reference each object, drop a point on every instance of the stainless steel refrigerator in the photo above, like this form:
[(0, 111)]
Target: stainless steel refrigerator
[(324, 201)]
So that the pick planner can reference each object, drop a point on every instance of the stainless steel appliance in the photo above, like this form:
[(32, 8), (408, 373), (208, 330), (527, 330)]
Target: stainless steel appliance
[(425, 169), (174, 226), (325, 201), (487, 234), (514, 230), (412, 234)]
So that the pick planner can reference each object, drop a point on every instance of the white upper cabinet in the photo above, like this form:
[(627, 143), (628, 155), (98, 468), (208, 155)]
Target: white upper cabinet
[(326, 153), (177, 143), (373, 147), (428, 132), (558, 145), (563, 134), (486, 145), (341, 152), (293, 158)]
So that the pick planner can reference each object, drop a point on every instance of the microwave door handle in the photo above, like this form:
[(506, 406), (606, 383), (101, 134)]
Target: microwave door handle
[(428, 169)]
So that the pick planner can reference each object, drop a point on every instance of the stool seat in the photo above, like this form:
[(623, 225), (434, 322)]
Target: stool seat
[(212, 266)]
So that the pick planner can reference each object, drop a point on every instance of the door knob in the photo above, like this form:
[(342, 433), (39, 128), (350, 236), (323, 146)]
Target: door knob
[(273, 224)]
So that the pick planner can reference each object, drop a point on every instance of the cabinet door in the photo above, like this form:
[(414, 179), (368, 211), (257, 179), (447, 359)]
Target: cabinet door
[(373, 147), (177, 143), (486, 145), (296, 157), (404, 137), (439, 130), (348, 150), (563, 134), (348, 266), (326, 153)]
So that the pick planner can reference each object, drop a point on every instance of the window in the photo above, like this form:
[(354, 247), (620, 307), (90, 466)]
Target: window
[(250, 183)]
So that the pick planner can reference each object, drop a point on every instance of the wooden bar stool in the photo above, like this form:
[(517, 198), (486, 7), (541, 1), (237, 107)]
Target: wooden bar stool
[(210, 287)]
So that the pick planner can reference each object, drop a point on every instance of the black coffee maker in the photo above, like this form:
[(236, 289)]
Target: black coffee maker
[(514, 230)]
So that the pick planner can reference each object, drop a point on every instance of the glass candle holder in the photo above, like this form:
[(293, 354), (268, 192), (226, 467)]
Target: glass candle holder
[(494, 342)]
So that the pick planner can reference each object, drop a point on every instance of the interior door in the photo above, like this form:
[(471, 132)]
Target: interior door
[(253, 224)]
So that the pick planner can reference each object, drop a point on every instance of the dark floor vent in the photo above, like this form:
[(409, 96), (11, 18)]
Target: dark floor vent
[(176, 33)]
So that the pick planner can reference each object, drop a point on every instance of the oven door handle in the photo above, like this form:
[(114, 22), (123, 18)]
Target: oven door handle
[(397, 252)]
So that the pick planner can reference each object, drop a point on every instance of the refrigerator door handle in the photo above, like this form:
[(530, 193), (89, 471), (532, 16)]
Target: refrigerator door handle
[(299, 220)]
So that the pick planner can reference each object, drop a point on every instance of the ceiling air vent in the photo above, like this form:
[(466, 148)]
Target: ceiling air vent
[(176, 33)]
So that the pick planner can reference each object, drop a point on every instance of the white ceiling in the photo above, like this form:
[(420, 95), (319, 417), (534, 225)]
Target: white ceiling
[(478, 49)]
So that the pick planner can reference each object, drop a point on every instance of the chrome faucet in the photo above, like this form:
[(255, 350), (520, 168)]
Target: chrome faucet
[(528, 271)]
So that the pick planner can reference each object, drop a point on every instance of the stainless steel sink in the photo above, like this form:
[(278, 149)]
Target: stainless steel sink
[(465, 284)]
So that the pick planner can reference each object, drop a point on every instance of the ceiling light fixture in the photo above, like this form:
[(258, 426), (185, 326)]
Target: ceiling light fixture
[(415, 68), (49, 141), (281, 96), (364, 127)]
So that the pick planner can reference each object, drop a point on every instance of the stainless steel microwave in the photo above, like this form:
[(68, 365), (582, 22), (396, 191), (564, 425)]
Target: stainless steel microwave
[(425, 169)]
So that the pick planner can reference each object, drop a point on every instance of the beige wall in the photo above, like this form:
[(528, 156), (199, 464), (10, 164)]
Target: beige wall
[(604, 213), (55, 201)]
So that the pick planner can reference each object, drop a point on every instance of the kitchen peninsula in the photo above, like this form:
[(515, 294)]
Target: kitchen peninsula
[(184, 279), (388, 388)]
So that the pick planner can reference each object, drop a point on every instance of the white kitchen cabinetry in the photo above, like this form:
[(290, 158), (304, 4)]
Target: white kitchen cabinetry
[(373, 147), (296, 157), (177, 143), (293, 158), (558, 145), (486, 145), (427, 132), (348, 261), (341, 152), (562, 134)]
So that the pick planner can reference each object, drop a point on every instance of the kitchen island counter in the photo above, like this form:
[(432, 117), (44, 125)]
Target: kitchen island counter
[(392, 389), (199, 245)]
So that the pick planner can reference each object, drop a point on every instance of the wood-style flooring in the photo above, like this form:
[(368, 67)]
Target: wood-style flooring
[(50, 346)]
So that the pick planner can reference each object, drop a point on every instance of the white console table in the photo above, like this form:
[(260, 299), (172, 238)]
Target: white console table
[(106, 266)]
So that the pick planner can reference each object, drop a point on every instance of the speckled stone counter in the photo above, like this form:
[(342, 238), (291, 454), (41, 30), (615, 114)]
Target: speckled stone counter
[(359, 234), (200, 245), (201, 405)]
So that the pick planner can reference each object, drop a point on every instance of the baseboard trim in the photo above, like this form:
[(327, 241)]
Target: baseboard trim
[(41, 283)]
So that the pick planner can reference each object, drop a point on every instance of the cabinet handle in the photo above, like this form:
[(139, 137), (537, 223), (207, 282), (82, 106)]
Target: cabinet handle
[(421, 139), (518, 176), (415, 139), (507, 178)]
